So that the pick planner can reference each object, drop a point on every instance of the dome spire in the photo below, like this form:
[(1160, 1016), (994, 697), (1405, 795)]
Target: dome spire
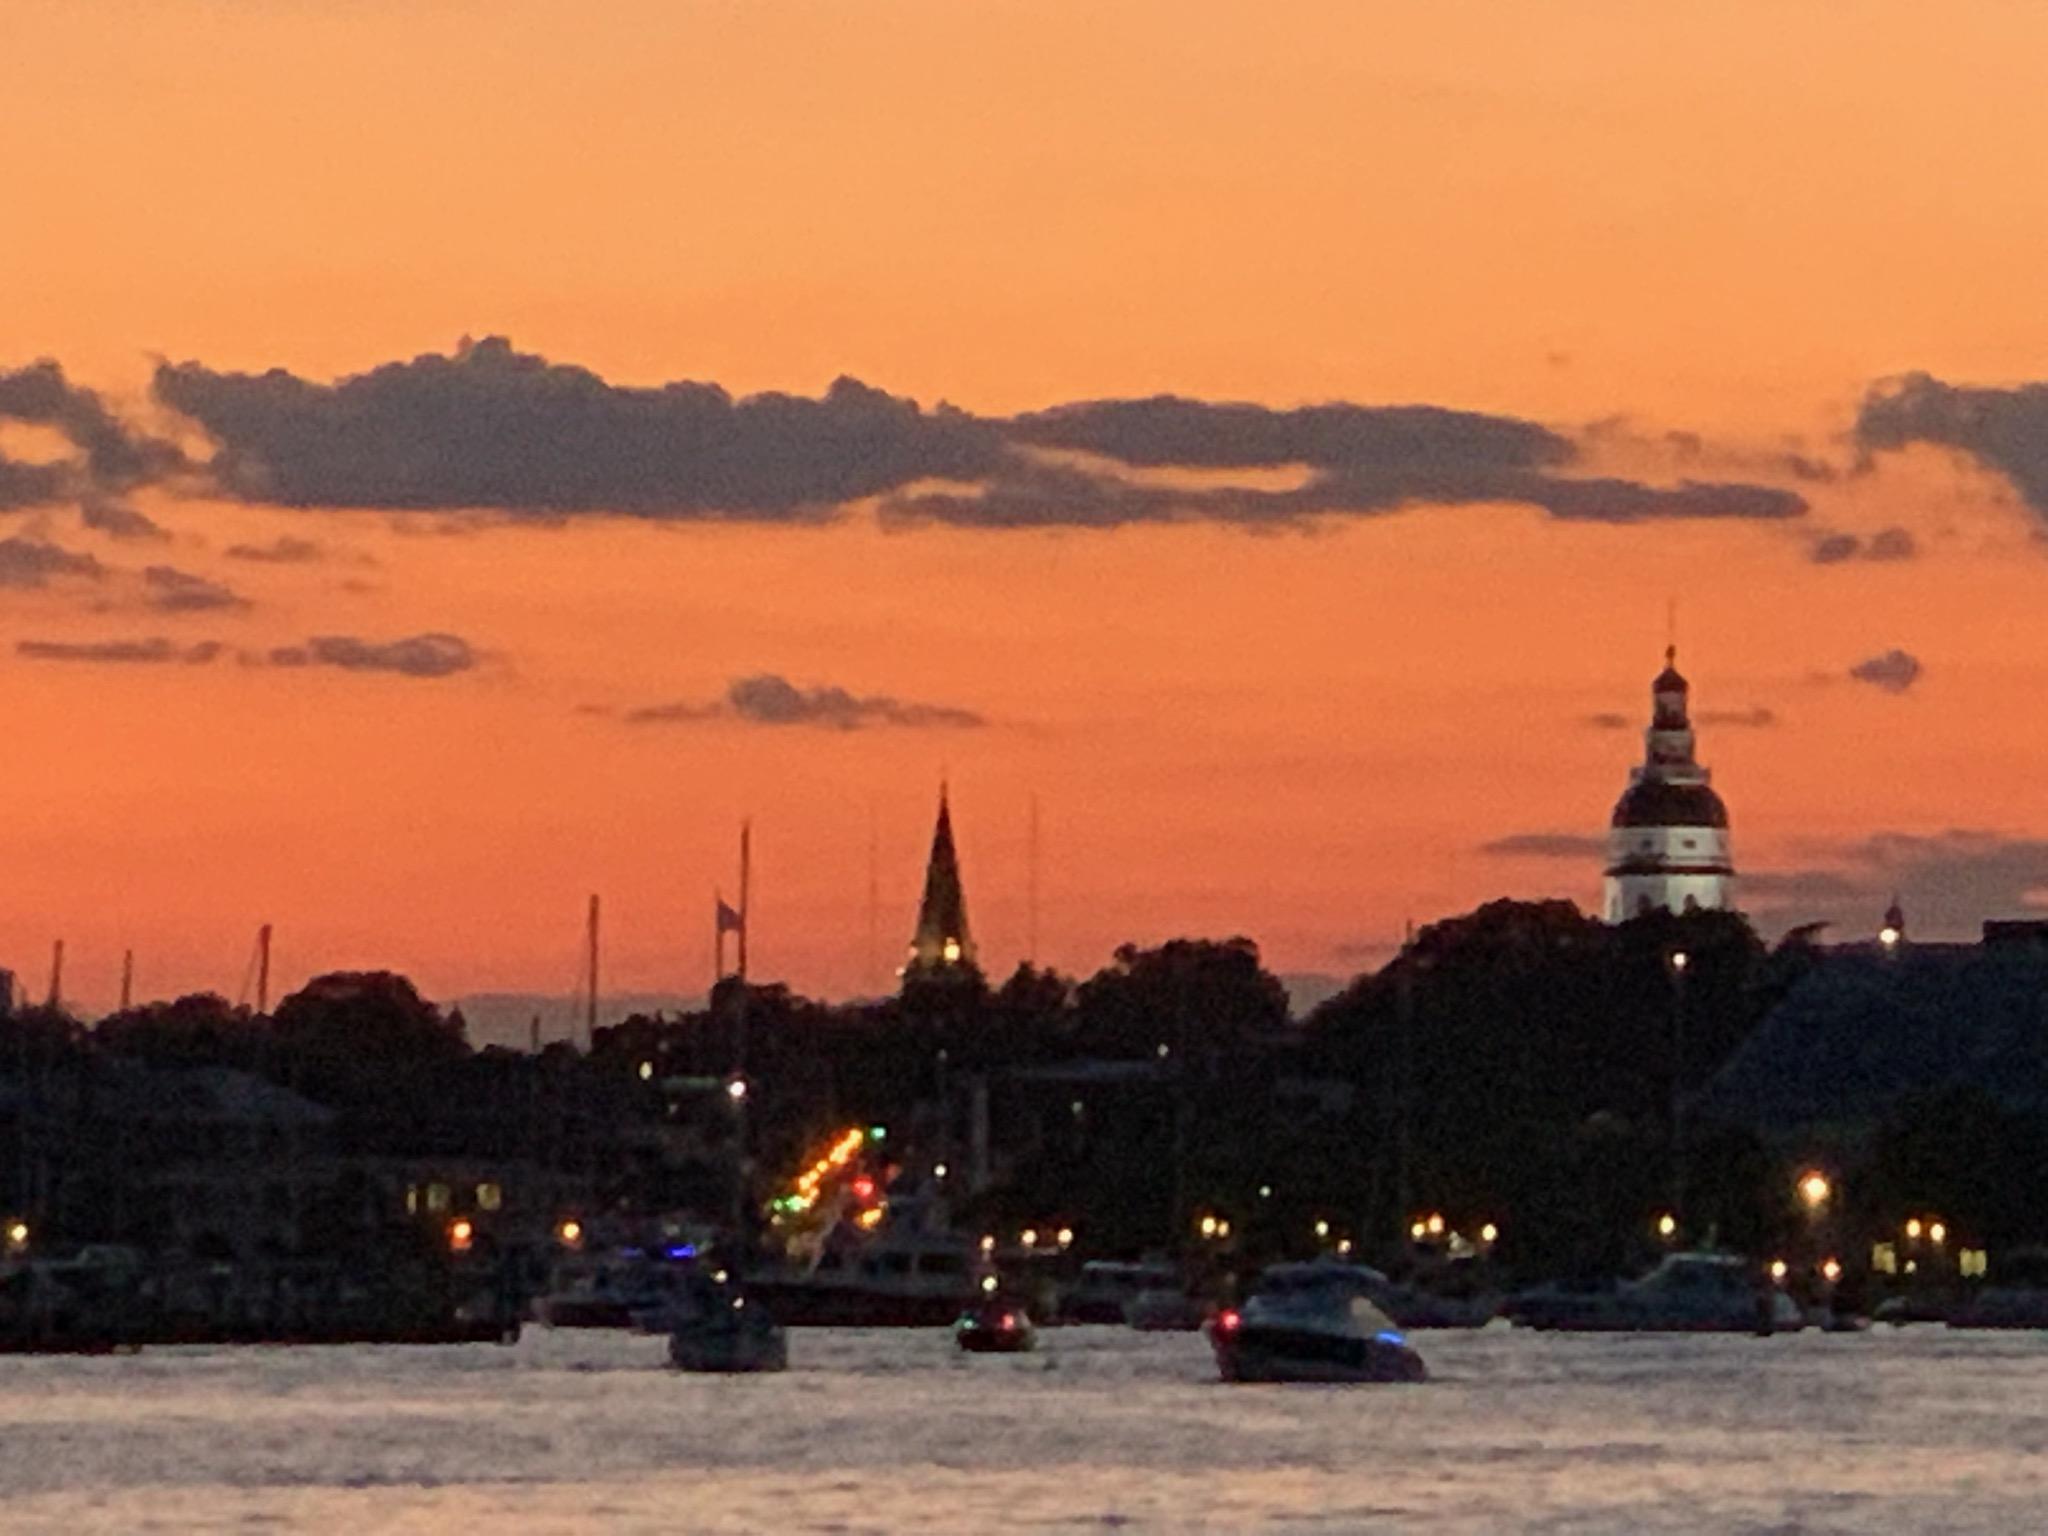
[(1668, 839)]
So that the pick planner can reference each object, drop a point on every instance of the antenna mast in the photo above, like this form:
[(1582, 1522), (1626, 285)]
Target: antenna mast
[(263, 969), (872, 968), (127, 978), (57, 975), (590, 1003), (1032, 933)]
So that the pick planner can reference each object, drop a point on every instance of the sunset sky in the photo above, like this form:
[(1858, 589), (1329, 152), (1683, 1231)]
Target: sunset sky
[(1732, 305)]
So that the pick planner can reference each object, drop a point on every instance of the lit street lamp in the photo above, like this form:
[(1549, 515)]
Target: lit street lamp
[(1680, 962), (1814, 1189)]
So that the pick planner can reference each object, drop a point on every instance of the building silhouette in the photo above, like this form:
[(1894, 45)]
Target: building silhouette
[(942, 940), (1667, 845)]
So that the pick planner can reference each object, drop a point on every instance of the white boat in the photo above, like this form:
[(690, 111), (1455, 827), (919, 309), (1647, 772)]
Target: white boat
[(906, 1274), (1685, 1293), (1312, 1322)]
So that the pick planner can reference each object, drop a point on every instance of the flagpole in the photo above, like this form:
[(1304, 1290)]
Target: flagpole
[(746, 903)]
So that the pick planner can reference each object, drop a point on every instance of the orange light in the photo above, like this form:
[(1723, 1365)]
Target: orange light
[(461, 1232), (1831, 1271), (570, 1232)]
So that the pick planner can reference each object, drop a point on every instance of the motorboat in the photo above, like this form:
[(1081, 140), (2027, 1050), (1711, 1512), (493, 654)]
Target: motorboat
[(1312, 1322), (996, 1325), (1167, 1309), (1106, 1288), (1685, 1293), (723, 1332)]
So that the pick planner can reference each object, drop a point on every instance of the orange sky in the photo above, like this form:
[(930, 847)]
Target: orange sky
[(1728, 220)]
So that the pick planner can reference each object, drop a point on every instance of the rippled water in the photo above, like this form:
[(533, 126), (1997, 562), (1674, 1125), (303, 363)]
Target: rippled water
[(1913, 1431)]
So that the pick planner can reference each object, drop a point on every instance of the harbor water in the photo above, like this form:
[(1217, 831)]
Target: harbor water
[(1908, 1431)]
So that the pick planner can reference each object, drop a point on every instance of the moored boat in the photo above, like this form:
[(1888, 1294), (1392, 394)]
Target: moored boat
[(1685, 1293)]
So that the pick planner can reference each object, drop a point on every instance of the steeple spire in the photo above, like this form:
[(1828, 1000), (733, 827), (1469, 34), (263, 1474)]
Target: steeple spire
[(942, 939)]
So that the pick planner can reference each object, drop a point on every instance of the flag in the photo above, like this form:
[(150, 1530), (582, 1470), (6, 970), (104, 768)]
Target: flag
[(730, 920)]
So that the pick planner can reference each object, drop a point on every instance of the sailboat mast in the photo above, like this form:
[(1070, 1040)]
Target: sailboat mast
[(1032, 935)]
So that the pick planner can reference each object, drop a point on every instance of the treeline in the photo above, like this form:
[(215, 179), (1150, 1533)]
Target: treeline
[(1518, 1065)]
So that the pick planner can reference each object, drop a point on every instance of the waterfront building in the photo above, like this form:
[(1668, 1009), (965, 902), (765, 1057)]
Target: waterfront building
[(1668, 845)]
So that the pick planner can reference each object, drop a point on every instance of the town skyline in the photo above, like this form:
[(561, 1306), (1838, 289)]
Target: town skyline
[(1277, 461)]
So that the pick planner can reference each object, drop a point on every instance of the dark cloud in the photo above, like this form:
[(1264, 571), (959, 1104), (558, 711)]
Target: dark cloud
[(767, 699), (114, 457), (1800, 467), (1949, 883), (1886, 544), (1756, 718), (118, 521), (494, 428), (1834, 548), (283, 550), (1547, 845), (32, 563), (433, 655), (1062, 496), (175, 591), (491, 429), (1895, 671), (2005, 430), (1168, 431), (153, 651), (32, 485)]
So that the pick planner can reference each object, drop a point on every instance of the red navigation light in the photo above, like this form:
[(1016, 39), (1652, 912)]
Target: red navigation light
[(1009, 1321), (1228, 1321), (864, 1188)]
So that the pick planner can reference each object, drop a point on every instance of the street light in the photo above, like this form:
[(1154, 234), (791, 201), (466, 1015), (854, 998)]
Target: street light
[(1667, 1226), (1814, 1189), (1680, 960)]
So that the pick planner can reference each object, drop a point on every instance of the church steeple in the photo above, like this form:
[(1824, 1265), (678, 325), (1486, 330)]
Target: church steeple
[(942, 939)]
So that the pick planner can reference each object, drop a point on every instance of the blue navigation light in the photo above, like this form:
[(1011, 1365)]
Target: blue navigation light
[(683, 1251), (1388, 1336)]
